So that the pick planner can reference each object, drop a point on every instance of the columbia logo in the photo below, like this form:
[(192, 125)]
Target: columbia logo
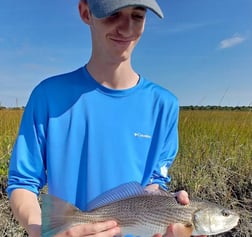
[(137, 134)]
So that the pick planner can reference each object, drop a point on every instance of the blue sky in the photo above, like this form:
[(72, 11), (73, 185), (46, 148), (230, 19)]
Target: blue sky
[(201, 50)]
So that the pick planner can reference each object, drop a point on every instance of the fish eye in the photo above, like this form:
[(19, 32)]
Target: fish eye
[(225, 212)]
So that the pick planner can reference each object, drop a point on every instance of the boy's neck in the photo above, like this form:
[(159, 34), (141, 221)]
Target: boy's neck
[(111, 75)]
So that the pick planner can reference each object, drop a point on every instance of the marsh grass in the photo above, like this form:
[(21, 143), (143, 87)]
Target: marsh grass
[(9, 123), (214, 163)]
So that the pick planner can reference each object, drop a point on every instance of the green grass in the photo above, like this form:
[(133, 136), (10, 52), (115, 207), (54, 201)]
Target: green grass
[(214, 162), (213, 143), (9, 123)]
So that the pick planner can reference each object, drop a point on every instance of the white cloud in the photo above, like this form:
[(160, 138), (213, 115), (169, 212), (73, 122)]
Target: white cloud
[(231, 42)]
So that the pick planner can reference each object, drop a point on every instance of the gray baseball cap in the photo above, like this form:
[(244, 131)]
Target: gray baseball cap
[(104, 8)]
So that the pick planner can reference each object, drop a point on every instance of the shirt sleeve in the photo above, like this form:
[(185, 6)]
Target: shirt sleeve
[(27, 163), (169, 150)]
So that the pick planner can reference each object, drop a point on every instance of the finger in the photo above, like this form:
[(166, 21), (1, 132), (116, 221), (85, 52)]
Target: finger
[(157, 235), (160, 235), (92, 229), (182, 197), (101, 226), (108, 233)]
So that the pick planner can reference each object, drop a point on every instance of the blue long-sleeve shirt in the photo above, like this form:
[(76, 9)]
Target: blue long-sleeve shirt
[(83, 138)]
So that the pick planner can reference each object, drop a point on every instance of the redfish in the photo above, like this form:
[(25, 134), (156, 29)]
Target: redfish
[(138, 213)]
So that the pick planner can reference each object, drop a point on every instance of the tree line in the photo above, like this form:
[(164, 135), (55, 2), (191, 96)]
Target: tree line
[(189, 107), (216, 107)]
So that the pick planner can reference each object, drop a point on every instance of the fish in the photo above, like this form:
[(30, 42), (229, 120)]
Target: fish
[(138, 213)]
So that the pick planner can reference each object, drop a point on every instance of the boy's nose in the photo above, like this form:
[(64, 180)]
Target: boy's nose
[(124, 25)]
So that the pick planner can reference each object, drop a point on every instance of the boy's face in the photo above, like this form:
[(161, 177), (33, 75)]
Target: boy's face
[(115, 37)]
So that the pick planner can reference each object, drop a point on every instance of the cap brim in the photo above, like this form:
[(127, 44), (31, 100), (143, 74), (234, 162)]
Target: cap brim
[(105, 8)]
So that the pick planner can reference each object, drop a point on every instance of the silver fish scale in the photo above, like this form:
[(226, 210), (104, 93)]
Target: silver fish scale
[(140, 215)]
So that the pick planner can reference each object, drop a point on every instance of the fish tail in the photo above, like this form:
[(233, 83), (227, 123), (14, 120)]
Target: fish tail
[(56, 215)]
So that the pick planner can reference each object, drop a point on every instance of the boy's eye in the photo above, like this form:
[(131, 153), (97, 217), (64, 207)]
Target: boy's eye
[(138, 16), (114, 14)]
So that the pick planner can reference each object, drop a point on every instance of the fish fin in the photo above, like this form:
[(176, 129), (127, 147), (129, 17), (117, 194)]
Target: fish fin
[(56, 215), (121, 192)]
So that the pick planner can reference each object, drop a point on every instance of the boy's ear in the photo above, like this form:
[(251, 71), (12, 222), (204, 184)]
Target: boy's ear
[(84, 12)]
